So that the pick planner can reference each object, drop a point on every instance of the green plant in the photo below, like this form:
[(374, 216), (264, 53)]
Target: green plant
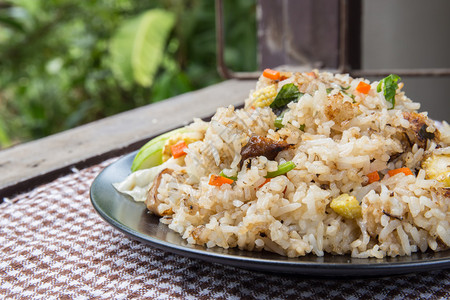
[(66, 62)]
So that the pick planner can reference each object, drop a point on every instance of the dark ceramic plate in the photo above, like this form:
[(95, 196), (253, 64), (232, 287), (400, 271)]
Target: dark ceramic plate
[(133, 219)]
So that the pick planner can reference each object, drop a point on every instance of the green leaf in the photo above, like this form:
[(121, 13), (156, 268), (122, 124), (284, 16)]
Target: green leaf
[(12, 23), (138, 46), (31, 6), (149, 46), (389, 86), (288, 93)]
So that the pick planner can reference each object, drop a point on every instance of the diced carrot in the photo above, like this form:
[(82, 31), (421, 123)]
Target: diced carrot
[(405, 171), (252, 107), (219, 180), (271, 74), (374, 176), (363, 87), (265, 181), (178, 149), (312, 74)]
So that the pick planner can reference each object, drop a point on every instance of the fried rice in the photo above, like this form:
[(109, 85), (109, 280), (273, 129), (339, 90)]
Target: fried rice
[(344, 143)]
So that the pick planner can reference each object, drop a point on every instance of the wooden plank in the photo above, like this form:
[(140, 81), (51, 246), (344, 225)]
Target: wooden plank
[(24, 166)]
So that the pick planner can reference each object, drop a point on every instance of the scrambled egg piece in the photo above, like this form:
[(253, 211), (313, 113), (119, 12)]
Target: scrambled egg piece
[(346, 206), (438, 167), (265, 96)]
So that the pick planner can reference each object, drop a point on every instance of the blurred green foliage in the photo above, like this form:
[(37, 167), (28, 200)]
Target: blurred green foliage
[(67, 62)]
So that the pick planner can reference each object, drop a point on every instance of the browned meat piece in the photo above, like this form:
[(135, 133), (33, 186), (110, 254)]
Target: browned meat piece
[(152, 201), (262, 146), (417, 132), (339, 110)]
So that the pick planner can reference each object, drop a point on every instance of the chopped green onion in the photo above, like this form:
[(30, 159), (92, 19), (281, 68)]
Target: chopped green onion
[(229, 177), (279, 121), (349, 95), (329, 90), (282, 169), (302, 127)]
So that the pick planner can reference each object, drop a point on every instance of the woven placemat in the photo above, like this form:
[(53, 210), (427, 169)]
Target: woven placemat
[(53, 245)]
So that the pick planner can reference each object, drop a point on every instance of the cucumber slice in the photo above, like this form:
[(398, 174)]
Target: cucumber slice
[(150, 154)]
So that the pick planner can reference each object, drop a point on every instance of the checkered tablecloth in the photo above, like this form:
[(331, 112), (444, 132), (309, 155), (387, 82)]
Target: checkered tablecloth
[(53, 245)]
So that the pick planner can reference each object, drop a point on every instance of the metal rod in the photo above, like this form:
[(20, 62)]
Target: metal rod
[(343, 32), (222, 68)]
